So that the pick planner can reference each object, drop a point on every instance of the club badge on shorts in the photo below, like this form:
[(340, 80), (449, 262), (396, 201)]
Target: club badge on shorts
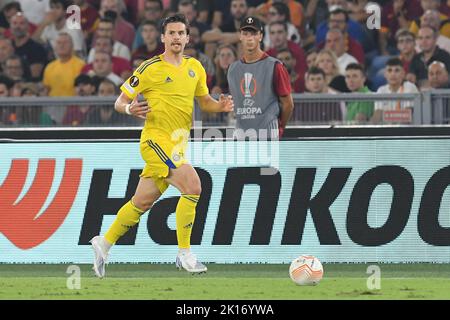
[(134, 81), (191, 73)]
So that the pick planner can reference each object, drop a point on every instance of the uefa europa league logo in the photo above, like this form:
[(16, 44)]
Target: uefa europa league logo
[(247, 81)]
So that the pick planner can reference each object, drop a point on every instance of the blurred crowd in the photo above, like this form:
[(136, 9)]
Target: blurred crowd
[(326, 46)]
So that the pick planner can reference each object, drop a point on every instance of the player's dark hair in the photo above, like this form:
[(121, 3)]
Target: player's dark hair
[(314, 71), (173, 19), (394, 61)]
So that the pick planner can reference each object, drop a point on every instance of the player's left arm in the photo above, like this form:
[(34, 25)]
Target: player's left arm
[(282, 87), (204, 99), (209, 104)]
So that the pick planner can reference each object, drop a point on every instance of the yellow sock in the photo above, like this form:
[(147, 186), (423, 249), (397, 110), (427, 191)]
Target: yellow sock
[(127, 217), (185, 215)]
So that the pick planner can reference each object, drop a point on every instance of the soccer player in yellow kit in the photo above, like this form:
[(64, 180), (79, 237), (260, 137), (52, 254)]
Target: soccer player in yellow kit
[(169, 82)]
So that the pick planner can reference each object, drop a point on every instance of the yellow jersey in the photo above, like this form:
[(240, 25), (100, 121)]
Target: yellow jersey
[(169, 91)]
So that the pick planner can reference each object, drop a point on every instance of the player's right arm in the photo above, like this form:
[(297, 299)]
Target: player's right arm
[(126, 105), (127, 102)]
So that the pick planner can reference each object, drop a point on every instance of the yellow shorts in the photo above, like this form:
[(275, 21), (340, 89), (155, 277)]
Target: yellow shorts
[(161, 155)]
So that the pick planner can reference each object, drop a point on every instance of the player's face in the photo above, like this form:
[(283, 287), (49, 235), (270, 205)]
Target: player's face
[(175, 38), (250, 39)]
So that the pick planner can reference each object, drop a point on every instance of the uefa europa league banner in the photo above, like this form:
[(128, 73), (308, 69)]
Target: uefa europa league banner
[(341, 200)]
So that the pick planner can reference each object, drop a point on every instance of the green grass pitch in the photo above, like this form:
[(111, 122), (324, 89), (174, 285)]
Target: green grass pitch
[(229, 282)]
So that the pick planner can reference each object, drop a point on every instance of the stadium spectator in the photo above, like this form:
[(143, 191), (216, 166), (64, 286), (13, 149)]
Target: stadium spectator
[(226, 55), (406, 46), (153, 11), (280, 12), (229, 32), (105, 114), (430, 52), (7, 114), (123, 31), (444, 25), (431, 18), (60, 74), (395, 76), (202, 7), (187, 7), (106, 29), (327, 61), (357, 111), (9, 11), (32, 115), (206, 62), (355, 37), (335, 42), (102, 67), (121, 66), (152, 45), (396, 15), (295, 9), (77, 115), (323, 112), (31, 52), (288, 60), (54, 23), (279, 40), (6, 51), (35, 11), (311, 56), (438, 77), (89, 18), (14, 68), (405, 41)]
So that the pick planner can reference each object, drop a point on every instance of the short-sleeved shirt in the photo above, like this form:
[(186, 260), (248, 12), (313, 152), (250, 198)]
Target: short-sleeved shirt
[(365, 107), (169, 91)]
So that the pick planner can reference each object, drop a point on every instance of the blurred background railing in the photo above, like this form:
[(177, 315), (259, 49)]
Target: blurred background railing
[(427, 107)]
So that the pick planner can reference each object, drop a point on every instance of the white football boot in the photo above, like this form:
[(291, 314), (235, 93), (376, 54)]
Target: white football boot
[(100, 257), (189, 262)]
